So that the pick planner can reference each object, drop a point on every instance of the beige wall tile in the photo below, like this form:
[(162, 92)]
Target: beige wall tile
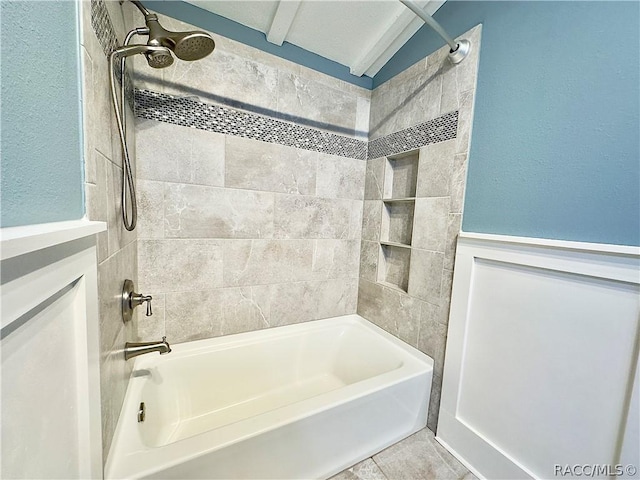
[(305, 301), (465, 119), (371, 220), (293, 303), (119, 237), (425, 276), (313, 217), (363, 107), (449, 99), (458, 182), (194, 211), (434, 403), (340, 177), (193, 315), (316, 105), (335, 258), (431, 221), (335, 297), (173, 153), (454, 224), (433, 332), (259, 262), (176, 265), (369, 253), (256, 165), (436, 169), (374, 179), (225, 78), (392, 310), (150, 209), (246, 309), (207, 165), (114, 377)]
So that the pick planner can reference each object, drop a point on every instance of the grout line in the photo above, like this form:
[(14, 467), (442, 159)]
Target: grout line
[(224, 287), (224, 187), (378, 465)]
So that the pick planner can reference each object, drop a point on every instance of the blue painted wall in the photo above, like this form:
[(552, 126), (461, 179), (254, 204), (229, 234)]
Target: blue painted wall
[(555, 150), (42, 168)]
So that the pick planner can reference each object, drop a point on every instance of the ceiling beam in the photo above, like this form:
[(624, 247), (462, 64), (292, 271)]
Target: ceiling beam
[(400, 29), (282, 21)]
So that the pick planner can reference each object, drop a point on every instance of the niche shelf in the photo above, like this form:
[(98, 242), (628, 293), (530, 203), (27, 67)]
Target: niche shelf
[(393, 266), (397, 222), (400, 180), (401, 176)]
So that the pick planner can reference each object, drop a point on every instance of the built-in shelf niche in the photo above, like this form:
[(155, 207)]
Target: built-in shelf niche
[(393, 267), (401, 176), (400, 179), (397, 222)]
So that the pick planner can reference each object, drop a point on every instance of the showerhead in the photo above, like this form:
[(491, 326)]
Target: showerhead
[(159, 59), (187, 46), (193, 45), (157, 56)]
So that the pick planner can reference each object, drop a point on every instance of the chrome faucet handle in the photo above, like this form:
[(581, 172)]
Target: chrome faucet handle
[(139, 299), (131, 300)]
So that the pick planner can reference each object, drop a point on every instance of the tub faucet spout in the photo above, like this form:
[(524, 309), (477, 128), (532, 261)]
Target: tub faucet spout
[(133, 349)]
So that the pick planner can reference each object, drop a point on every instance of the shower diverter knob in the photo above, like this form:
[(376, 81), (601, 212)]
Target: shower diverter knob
[(131, 300)]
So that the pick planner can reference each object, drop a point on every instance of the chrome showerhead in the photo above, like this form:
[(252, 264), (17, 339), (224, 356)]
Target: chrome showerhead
[(187, 46), (157, 56), (193, 45), (159, 59)]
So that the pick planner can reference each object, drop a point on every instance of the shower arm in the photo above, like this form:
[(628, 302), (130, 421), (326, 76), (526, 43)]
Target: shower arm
[(458, 51), (141, 7)]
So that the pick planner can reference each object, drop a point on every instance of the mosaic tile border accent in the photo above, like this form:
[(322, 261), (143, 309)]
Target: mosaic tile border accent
[(214, 118), (102, 26), (437, 130), (218, 119)]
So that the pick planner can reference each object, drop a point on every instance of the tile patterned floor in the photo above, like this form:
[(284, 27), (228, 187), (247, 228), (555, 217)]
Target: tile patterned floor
[(418, 457)]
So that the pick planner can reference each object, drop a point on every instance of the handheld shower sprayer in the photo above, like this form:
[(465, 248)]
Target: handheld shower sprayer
[(188, 46)]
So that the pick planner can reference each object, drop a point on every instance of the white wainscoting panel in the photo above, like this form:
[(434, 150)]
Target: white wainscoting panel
[(50, 400), (542, 352)]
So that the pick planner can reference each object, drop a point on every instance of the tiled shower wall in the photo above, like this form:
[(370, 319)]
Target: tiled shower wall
[(103, 23), (419, 316), (238, 234)]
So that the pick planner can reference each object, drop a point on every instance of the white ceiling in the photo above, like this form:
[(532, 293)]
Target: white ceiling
[(362, 35)]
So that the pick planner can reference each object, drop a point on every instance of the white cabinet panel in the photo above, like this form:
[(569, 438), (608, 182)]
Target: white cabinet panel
[(541, 357)]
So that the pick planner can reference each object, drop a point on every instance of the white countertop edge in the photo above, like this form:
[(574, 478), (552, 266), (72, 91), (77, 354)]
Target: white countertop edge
[(16, 241), (545, 242)]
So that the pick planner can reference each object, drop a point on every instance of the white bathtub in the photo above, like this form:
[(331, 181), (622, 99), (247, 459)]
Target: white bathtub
[(302, 401)]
